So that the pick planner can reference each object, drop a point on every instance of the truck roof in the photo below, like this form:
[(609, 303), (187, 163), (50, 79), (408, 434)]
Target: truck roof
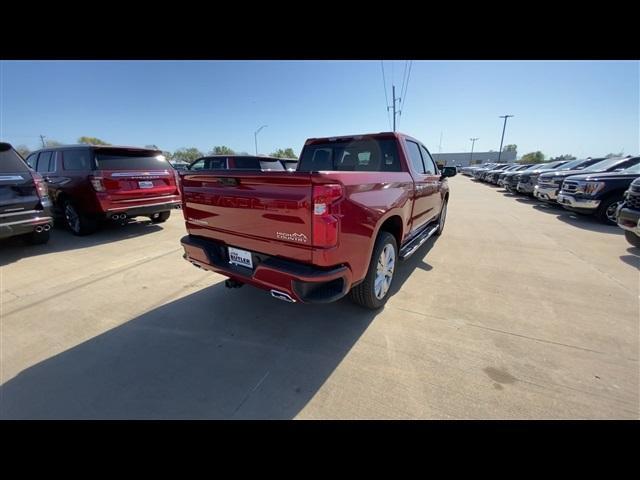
[(98, 147), (360, 136)]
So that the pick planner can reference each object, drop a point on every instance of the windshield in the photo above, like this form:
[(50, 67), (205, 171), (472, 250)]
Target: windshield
[(570, 165), (634, 169), (603, 165)]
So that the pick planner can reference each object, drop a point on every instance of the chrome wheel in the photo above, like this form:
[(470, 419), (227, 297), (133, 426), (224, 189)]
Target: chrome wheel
[(611, 211), (72, 217), (384, 271)]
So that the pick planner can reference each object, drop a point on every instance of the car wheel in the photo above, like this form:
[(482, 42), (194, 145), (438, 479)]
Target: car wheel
[(160, 217), (606, 212), (442, 218), (373, 291), (78, 223), (37, 238), (632, 238)]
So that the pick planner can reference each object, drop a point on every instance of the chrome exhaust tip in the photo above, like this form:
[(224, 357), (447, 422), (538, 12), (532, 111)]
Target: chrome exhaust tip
[(123, 216), (282, 296), (39, 229), (46, 228)]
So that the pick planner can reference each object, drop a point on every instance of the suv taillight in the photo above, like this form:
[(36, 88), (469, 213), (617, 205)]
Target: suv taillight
[(41, 186), (325, 223), (96, 183), (176, 176)]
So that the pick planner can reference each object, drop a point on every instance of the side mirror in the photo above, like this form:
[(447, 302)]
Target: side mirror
[(449, 172)]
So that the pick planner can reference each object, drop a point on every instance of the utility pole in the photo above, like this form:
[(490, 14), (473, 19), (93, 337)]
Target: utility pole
[(393, 90), (42, 140), (255, 136), (473, 141), (503, 129)]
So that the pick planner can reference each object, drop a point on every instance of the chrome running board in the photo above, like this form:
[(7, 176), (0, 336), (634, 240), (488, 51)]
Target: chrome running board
[(411, 247)]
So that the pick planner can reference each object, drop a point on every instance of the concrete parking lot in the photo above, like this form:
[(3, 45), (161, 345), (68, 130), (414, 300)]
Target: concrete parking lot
[(518, 311)]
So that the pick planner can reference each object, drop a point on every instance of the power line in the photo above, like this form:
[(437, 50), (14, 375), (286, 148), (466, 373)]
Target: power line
[(404, 95), (386, 97)]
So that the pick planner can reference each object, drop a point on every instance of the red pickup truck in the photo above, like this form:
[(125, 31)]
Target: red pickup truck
[(337, 225)]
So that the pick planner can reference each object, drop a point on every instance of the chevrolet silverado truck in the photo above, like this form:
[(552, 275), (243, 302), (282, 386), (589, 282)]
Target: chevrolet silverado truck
[(598, 193), (628, 214), (337, 225)]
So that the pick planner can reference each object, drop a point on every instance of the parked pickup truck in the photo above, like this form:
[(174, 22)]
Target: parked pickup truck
[(628, 214), (336, 225), (598, 193)]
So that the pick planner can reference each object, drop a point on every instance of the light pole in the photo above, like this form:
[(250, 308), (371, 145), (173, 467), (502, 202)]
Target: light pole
[(255, 136), (503, 129), (473, 141)]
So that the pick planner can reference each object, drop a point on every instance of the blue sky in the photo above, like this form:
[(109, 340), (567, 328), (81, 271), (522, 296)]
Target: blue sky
[(577, 107)]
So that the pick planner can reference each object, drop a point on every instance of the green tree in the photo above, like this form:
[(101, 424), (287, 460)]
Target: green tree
[(187, 154), (566, 157), (52, 143), (532, 157), (23, 150), (92, 141), (152, 147), (614, 155), (512, 147), (221, 150), (286, 153)]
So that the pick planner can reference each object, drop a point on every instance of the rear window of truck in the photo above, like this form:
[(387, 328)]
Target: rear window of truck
[(131, 159), (10, 161), (369, 155)]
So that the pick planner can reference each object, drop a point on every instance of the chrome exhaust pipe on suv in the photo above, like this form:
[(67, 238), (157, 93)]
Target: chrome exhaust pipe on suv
[(39, 229), (282, 296), (46, 227)]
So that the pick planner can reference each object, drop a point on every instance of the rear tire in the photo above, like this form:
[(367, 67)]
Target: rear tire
[(380, 274), (632, 238), (606, 212), (37, 238), (160, 217), (442, 217), (78, 223)]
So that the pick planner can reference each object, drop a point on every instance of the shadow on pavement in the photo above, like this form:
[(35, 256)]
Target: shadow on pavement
[(214, 354), (14, 248), (632, 260)]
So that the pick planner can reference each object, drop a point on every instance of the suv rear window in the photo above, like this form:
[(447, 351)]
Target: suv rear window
[(10, 161), (108, 159), (369, 155)]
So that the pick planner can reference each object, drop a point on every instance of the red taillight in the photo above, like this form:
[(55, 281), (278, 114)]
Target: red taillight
[(96, 183), (176, 176), (41, 186), (325, 223)]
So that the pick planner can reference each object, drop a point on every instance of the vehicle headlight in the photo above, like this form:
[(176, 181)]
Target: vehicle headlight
[(591, 188)]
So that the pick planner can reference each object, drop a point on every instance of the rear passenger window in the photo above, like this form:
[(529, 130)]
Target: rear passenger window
[(45, 162), (76, 160), (415, 157)]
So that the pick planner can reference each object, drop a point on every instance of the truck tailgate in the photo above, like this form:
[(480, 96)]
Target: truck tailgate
[(265, 212)]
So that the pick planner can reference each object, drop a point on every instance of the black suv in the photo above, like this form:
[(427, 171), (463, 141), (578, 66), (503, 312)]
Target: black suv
[(628, 214), (25, 208), (598, 193)]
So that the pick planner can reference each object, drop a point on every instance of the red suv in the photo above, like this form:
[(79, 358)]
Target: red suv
[(89, 183)]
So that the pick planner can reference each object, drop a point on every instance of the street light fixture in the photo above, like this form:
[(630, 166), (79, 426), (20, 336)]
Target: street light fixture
[(503, 129), (473, 141), (255, 136)]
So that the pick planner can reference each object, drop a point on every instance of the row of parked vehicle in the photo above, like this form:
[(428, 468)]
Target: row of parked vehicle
[(608, 188), (335, 225), (84, 185)]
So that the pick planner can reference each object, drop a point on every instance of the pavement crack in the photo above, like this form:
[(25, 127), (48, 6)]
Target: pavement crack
[(250, 392)]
